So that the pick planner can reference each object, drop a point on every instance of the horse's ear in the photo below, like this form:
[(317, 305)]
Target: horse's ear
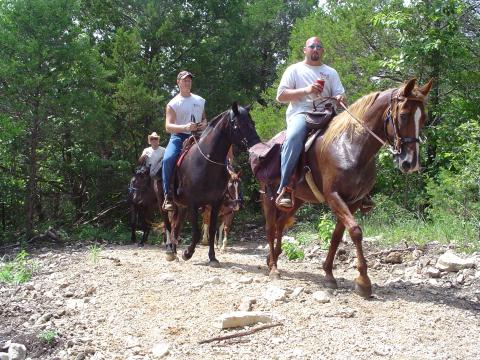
[(407, 89), (235, 108), (425, 89)]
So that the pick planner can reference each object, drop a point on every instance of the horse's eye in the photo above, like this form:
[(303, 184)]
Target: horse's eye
[(404, 118)]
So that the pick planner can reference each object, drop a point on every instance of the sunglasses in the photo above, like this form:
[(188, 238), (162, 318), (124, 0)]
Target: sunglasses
[(315, 46)]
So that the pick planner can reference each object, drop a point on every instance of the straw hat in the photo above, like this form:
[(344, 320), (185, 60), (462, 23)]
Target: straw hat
[(153, 135)]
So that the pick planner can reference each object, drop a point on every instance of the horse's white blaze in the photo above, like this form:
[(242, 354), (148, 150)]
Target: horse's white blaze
[(418, 114), (237, 197)]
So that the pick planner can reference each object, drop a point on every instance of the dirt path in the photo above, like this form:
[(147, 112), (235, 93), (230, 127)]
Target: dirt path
[(132, 304)]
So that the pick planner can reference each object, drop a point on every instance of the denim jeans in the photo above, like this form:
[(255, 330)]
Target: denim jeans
[(292, 147), (172, 152)]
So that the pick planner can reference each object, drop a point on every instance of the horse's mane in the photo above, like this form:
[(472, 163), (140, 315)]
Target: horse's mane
[(212, 123), (344, 123)]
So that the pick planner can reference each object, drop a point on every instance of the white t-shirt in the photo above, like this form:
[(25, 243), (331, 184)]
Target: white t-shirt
[(154, 158), (187, 109), (301, 75)]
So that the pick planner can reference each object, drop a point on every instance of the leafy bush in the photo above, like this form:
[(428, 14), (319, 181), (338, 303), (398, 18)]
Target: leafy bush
[(48, 336), (325, 229), (292, 249)]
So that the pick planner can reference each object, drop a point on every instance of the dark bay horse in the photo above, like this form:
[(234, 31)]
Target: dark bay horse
[(144, 201), (342, 163), (202, 176), (232, 201)]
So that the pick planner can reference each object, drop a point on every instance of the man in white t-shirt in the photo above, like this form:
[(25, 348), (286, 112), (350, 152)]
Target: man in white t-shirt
[(301, 84), (185, 113), (153, 156)]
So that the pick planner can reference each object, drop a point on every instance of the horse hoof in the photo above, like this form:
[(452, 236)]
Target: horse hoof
[(170, 256), (141, 244), (274, 275), (331, 284), (363, 288), (214, 263), (186, 256)]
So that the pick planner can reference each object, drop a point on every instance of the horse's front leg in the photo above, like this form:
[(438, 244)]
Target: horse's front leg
[(363, 285), (188, 253), (211, 235)]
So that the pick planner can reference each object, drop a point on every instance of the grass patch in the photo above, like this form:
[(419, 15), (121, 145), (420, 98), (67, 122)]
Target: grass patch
[(48, 336), (19, 270)]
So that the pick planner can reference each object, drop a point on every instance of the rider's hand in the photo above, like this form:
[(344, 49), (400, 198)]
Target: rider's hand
[(314, 88), (202, 125), (340, 99)]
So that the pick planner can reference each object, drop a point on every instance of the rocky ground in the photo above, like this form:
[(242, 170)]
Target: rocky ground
[(132, 304)]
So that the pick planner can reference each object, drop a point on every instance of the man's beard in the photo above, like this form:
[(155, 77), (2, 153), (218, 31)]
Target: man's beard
[(315, 56)]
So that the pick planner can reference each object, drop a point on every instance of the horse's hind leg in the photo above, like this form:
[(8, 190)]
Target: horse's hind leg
[(363, 285), (330, 281)]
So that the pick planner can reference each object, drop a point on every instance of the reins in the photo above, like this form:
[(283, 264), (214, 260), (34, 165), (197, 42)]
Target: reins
[(392, 147)]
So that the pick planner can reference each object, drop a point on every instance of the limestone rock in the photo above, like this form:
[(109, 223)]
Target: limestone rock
[(451, 262), (274, 293), (321, 296), (394, 257), (17, 351), (160, 350), (242, 318)]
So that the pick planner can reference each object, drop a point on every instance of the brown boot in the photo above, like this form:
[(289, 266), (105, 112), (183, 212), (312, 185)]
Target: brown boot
[(285, 199)]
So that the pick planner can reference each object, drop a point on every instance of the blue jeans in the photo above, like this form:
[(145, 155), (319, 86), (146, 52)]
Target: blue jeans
[(292, 148), (172, 152)]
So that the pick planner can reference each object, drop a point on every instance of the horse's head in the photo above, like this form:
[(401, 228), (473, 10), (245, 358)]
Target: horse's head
[(243, 127), (139, 184), (234, 193), (405, 120)]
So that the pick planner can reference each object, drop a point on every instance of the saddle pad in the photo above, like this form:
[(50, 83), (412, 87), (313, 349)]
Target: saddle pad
[(265, 158)]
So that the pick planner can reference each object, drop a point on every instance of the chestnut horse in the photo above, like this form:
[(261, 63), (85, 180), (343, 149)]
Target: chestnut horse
[(201, 177), (232, 202), (342, 164)]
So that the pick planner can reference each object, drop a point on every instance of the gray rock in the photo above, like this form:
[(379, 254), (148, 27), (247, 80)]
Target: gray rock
[(3, 356), (245, 280), (274, 293), (432, 272), (246, 303), (394, 257), (43, 319), (321, 296), (17, 351), (451, 262)]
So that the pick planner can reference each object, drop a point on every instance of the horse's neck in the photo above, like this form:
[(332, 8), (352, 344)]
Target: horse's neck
[(217, 143), (374, 120)]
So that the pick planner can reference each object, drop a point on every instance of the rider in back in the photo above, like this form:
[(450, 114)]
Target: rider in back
[(185, 113), (301, 84)]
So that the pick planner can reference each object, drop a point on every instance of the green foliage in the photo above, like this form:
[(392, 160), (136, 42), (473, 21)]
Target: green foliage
[(48, 336), (292, 249), (19, 270), (325, 229), (94, 253)]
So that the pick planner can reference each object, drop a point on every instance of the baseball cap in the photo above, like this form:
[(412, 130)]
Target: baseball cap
[(183, 75)]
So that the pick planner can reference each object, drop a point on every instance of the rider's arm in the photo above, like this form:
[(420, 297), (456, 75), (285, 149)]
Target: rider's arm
[(288, 95), (171, 126)]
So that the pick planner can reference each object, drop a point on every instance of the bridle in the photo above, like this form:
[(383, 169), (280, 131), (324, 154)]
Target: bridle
[(392, 145), (233, 126), (143, 188), (391, 115)]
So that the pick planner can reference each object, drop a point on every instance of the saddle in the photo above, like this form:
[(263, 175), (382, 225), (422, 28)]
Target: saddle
[(264, 158), (187, 145)]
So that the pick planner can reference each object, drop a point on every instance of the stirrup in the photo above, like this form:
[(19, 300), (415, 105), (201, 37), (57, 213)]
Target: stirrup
[(285, 199)]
